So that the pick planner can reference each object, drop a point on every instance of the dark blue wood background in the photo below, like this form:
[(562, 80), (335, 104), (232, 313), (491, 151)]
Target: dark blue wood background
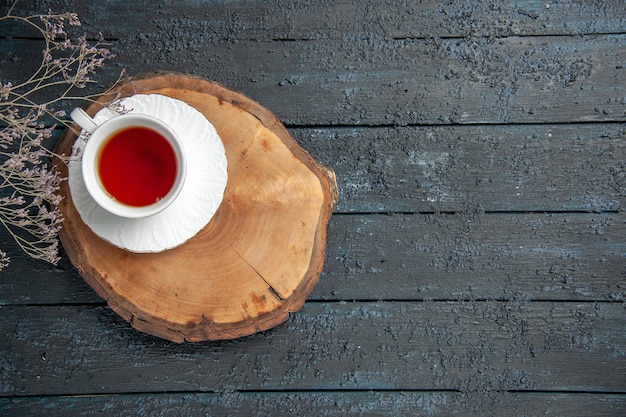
[(476, 262)]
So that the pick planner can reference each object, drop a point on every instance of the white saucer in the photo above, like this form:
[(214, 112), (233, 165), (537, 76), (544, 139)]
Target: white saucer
[(198, 200)]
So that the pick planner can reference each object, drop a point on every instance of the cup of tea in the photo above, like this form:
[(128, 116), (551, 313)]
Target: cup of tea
[(133, 165)]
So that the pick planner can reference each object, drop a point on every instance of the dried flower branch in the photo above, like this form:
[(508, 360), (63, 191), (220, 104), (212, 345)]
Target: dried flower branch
[(28, 185)]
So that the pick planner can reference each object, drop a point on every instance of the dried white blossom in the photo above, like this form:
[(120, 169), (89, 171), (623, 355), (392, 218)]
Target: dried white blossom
[(29, 186)]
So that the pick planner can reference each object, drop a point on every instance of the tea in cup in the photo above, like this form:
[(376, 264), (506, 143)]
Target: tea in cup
[(133, 165)]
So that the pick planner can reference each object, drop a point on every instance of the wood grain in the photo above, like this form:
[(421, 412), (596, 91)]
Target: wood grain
[(325, 404), (467, 347), (475, 262), (383, 81), (229, 280), (467, 257), (463, 256), (546, 167), (301, 19)]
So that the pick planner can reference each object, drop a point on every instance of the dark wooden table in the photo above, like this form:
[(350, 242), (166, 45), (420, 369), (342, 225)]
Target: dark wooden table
[(476, 261)]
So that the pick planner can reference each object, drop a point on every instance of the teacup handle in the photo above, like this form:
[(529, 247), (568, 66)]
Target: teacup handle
[(85, 121)]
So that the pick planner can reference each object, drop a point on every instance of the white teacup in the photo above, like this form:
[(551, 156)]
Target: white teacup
[(133, 165)]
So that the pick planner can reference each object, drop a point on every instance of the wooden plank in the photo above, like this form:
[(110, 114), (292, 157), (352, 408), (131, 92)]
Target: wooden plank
[(546, 167), (578, 167), (463, 346), (363, 81), (334, 403), (27, 281), (496, 168), (266, 20), (448, 81), (466, 256)]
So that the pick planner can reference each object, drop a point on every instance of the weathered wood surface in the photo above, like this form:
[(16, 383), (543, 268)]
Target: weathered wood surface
[(427, 257), (281, 20), (377, 80), (536, 167), (338, 404), (476, 262), (333, 403), (466, 347), (544, 167), (330, 403)]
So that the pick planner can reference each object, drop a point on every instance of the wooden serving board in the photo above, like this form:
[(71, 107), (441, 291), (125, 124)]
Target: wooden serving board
[(254, 262)]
